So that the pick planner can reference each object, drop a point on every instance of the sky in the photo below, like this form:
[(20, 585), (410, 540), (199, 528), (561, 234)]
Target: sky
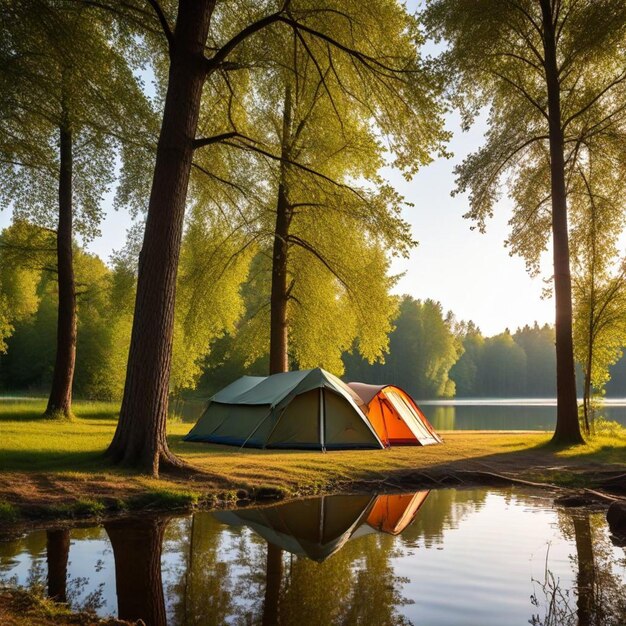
[(470, 273)]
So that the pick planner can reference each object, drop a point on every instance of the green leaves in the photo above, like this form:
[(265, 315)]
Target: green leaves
[(495, 59), (63, 64)]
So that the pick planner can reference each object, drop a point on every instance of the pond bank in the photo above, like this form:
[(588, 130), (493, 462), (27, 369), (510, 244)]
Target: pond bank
[(231, 477), (20, 607)]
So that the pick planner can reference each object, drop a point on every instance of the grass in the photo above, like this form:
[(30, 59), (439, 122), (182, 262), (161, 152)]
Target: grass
[(8, 513), (60, 464), (21, 607)]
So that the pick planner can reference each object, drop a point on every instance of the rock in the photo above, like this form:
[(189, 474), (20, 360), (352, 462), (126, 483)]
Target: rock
[(574, 500), (616, 517)]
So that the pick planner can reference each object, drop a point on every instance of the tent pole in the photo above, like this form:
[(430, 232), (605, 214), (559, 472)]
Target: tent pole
[(322, 414), (256, 428)]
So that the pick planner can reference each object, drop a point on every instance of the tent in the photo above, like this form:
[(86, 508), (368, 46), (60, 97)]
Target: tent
[(308, 409), (395, 416), (311, 527)]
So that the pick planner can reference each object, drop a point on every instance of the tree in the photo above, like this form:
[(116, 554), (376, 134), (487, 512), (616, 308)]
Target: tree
[(598, 281), (29, 279), (323, 117), (503, 367), (423, 347), (208, 41), (68, 98), (553, 74), (465, 372), (18, 284), (538, 345)]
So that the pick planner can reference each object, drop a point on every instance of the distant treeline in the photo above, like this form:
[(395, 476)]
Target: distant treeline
[(431, 355)]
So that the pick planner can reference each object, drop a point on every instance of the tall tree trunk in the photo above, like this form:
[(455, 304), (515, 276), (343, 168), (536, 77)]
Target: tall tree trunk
[(60, 399), (57, 552), (586, 579), (279, 326), (140, 438), (567, 426), (273, 579), (587, 395), (137, 545)]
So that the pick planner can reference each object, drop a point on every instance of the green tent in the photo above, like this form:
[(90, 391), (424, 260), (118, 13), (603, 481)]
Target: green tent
[(307, 409)]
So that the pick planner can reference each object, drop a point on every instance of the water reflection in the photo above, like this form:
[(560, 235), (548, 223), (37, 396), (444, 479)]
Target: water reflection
[(503, 415), (57, 552), (440, 557), (137, 546)]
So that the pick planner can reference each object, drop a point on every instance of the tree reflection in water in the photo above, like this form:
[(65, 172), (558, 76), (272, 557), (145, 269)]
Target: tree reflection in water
[(331, 560), (137, 546), (57, 552), (599, 597)]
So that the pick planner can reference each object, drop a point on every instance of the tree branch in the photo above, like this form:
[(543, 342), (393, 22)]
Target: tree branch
[(167, 31), (207, 141)]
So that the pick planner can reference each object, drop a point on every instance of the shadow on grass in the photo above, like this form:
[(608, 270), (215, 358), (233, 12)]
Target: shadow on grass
[(32, 411), (49, 460), (21, 415)]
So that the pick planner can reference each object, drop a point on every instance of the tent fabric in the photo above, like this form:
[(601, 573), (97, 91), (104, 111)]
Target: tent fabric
[(307, 409), (395, 416), (318, 527), (311, 527), (392, 513)]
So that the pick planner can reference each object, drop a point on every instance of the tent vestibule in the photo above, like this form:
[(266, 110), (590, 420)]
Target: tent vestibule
[(395, 416)]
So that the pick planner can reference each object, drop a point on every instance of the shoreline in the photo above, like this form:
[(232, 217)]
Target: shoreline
[(582, 484)]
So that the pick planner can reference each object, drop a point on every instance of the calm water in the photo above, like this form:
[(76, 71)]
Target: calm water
[(475, 414), (505, 414), (476, 557), (456, 414)]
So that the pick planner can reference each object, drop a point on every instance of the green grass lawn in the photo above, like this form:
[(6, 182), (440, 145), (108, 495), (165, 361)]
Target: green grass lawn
[(42, 460)]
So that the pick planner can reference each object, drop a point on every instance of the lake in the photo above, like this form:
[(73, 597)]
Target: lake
[(441, 557), (505, 413), (469, 414)]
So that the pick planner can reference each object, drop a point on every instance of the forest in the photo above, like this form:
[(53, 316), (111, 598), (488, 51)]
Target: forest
[(248, 142), (430, 353), (269, 169)]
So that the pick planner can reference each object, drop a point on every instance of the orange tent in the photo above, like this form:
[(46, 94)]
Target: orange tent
[(391, 514), (395, 416)]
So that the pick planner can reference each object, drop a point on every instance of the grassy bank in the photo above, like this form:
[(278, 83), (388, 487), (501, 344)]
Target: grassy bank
[(56, 468), (20, 607)]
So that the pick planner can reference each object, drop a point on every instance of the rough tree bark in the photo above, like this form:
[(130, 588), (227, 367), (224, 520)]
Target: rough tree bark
[(137, 545), (57, 552), (60, 399), (140, 438), (567, 427), (279, 327)]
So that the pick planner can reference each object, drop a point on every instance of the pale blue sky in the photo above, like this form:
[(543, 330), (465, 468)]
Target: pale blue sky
[(470, 273)]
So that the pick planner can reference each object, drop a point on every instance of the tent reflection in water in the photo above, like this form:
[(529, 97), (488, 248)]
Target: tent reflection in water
[(392, 513), (395, 416), (307, 409), (318, 527)]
